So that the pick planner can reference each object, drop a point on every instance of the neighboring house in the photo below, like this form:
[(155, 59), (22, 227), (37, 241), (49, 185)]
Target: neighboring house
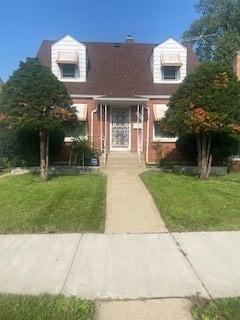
[(120, 90)]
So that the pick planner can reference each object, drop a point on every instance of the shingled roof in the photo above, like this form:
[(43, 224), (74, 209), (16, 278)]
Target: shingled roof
[(121, 70)]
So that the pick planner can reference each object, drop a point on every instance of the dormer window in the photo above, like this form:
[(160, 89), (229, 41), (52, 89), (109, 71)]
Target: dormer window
[(68, 64), (171, 64), (69, 60), (68, 70), (170, 73)]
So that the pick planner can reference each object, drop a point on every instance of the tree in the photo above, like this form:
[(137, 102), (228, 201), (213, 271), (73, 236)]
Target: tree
[(20, 147), (216, 33), (34, 99), (223, 146), (207, 102)]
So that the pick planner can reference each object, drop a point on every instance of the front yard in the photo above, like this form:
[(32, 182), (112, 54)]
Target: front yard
[(189, 204), (63, 204), (77, 204)]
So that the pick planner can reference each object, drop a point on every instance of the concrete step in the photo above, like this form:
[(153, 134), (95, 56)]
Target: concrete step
[(123, 162)]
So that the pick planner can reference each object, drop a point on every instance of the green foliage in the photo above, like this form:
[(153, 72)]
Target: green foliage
[(223, 146), (34, 98), (221, 309), (20, 147), (82, 152), (45, 306), (207, 100), (226, 46), (221, 19)]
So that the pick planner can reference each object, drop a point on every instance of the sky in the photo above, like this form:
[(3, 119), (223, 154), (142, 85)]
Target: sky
[(25, 24)]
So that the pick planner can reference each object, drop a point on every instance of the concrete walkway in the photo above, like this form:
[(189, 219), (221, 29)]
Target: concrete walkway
[(130, 207)]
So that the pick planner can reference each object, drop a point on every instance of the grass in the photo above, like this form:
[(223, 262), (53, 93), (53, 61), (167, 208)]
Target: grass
[(25, 307), (222, 309), (62, 204), (189, 204), (4, 171)]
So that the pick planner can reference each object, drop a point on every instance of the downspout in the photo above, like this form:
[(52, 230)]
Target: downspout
[(94, 111), (142, 132), (101, 129), (138, 137), (106, 134), (147, 143)]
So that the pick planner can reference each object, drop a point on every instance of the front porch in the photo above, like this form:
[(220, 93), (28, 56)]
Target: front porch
[(119, 125)]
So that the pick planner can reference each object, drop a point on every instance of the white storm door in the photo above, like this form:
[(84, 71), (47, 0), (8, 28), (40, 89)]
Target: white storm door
[(120, 129)]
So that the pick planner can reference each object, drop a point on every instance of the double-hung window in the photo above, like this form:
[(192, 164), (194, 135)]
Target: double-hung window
[(159, 111), (68, 64), (79, 131), (170, 72), (68, 70), (170, 67)]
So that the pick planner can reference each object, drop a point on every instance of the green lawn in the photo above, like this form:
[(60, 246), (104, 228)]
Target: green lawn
[(222, 309), (44, 307), (62, 204), (189, 204)]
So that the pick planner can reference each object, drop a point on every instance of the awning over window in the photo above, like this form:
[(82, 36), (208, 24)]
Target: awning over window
[(159, 111), (67, 57), (81, 111), (168, 60)]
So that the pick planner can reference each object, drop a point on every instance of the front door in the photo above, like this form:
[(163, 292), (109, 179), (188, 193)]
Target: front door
[(120, 129)]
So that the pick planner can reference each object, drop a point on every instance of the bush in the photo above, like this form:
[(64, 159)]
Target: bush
[(83, 152), (223, 146), (20, 147)]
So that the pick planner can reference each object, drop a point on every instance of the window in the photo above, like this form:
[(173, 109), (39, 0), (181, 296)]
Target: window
[(158, 134), (170, 72), (73, 133), (69, 70)]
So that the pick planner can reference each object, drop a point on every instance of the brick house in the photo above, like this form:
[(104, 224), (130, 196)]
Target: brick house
[(120, 90)]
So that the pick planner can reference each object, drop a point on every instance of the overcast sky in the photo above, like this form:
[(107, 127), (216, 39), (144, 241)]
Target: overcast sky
[(25, 24)]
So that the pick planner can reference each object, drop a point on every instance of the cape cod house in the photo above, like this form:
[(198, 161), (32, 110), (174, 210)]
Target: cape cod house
[(120, 90)]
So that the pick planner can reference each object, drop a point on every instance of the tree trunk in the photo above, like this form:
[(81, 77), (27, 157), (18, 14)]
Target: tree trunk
[(204, 157), (44, 150)]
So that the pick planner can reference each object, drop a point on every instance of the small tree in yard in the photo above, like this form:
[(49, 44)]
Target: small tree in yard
[(207, 102), (33, 98)]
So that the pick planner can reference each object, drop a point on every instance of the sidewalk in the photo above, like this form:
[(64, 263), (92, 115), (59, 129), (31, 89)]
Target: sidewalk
[(133, 266)]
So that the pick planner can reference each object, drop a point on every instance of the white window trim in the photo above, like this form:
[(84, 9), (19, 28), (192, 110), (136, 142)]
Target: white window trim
[(159, 111), (71, 138), (76, 72), (177, 74), (163, 139)]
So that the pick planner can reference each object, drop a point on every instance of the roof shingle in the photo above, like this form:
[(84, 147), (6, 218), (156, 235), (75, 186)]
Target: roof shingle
[(118, 71)]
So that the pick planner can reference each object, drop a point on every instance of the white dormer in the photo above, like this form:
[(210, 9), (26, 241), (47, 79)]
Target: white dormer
[(69, 60), (169, 62)]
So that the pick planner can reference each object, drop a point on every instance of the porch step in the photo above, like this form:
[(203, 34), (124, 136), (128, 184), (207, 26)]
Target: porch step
[(122, 162)]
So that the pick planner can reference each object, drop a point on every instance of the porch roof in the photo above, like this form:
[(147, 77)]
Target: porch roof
[(121, 101)]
